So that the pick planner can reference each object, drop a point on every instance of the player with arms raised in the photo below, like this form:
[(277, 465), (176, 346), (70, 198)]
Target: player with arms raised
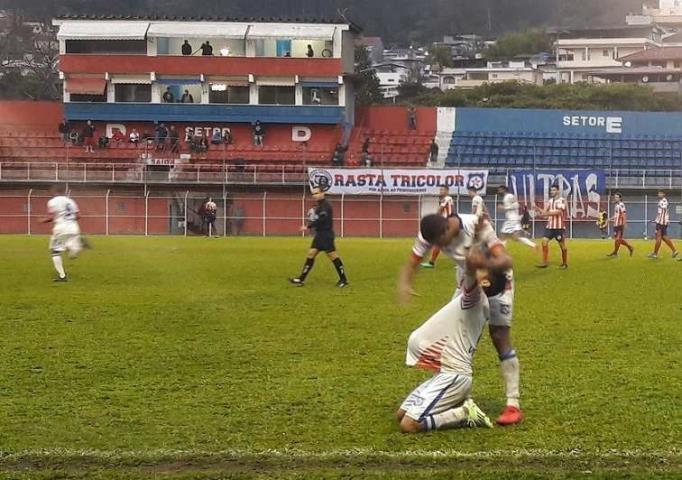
[(619, 222), (446, 205), (445, 344), (556, 227), (66, 233), (511, 228), (455, 236)]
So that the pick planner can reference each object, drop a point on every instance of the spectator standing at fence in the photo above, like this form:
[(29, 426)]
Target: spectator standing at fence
[(206, 48), (603, 223), (433, 151), (186, 48), (525, 219), (412, 118), (210, 210), (662, 222), (88, 134), (258, 133), (65, 130)]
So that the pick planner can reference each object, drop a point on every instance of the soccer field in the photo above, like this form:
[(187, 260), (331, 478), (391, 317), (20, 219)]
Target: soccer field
[(194, 358)]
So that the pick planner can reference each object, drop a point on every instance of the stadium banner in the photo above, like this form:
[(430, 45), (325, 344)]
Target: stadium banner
[(376, 181), (584, 189)]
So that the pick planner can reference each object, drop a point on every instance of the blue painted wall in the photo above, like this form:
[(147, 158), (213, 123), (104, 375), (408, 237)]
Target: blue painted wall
[(147, 112), (569, 122)]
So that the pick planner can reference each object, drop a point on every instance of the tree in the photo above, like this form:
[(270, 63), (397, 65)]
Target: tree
[(528, 42), (440, 55), (368, 91)]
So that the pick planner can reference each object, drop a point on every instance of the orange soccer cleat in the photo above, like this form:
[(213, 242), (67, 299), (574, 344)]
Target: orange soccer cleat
[(510, 416)]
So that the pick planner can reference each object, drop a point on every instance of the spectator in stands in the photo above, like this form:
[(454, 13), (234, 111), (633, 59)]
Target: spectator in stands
[(134, 136), (310, 53), (204, 141), (433, 151), (88, 134), (187, 97), (315, 97), (227, 137), (186, 48), (339, 154), (206, 48), (174, 139), (117, 136), (103, 141), (168, 96), (217, 138), (161, 134), (258, 133), (65, 130), (412, 118), (366, 158)]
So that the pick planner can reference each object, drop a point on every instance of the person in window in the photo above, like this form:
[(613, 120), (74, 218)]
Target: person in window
[(174, 139), (315, 100), (187, 97), (258, 134), (310, 53), (206, 48), (168, 96), (186, 48)]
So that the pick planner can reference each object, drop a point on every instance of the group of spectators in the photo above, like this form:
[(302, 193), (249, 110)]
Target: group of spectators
[(206, 48), (169, 97)]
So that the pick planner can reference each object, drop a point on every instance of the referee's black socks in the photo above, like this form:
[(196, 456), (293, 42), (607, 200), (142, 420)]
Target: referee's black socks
[(338, 264), (309, 262)]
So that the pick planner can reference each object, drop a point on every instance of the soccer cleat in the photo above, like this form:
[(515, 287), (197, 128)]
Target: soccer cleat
[(675, 254), (612, 255), (475, 416), (342, 283), (652, 255), (563, 266), (297, 282), (542, 265), (86, 244), (510, 416), (632, 251), (61, 279), (428, 265)]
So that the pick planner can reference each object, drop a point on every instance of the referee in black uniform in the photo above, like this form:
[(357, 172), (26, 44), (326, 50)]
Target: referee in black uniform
[(323, 223)]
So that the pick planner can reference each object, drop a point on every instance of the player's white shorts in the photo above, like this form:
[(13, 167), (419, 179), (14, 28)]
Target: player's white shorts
[(441, 392), (66, 238), (501, 306), (509, 227)]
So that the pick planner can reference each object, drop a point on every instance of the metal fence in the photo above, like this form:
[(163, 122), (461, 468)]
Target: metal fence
[(269, 213)]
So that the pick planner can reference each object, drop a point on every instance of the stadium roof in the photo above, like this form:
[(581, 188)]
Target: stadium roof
[(169, 18)]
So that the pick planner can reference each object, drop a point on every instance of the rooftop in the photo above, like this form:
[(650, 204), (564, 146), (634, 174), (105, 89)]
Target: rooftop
[(655, 53)]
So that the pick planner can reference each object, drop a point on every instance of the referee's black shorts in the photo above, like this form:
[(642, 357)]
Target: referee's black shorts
[(324, 242)]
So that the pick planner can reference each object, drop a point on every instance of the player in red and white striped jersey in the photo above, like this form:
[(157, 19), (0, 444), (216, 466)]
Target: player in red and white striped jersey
[(619, 219), (662, 222), (556, 226), (446, 207)]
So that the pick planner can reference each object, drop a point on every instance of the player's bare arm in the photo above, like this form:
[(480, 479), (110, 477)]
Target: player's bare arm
[(406, 279)]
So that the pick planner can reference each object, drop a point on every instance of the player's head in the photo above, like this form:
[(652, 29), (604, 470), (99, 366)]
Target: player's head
[(502, 190), (472, 192), (661, 194), (617, 197), (554, 191), (438, 230), (444, 191), (318, 194)]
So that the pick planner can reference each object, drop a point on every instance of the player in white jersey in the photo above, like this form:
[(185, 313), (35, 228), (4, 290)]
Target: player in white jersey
[(446, 206), (456, 236), (556, 226), (511, 228), (445, 344), (478, 207), (662, 222), (66, 234)]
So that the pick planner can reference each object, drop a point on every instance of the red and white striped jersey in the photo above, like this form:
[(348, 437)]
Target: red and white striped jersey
[(619, 217), (447, 206), (663, 215), (557, 222)]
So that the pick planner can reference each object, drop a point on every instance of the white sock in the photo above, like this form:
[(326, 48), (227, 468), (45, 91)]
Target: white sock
[(527, 241), (510, 373), (452, 418), (59, 265)]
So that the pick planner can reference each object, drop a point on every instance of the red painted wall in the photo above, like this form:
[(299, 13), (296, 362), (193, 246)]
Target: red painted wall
[(395, 118), (235, 66), (30, 114)]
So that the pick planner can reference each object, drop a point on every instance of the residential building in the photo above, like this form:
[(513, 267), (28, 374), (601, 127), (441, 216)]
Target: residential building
[(494, 72)]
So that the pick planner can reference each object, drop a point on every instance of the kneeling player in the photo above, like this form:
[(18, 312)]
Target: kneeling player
[(446, 344)]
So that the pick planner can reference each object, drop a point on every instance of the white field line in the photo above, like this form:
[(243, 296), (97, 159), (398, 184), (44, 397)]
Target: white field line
[(359, 453)]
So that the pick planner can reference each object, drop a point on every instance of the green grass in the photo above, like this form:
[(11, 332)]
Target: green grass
[(193, 358)]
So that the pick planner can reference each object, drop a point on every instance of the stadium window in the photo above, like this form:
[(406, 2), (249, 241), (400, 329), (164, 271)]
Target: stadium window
[(606, 52), (320, 96), (221, 93), (269, 95), (138, 93), (126, 47)]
